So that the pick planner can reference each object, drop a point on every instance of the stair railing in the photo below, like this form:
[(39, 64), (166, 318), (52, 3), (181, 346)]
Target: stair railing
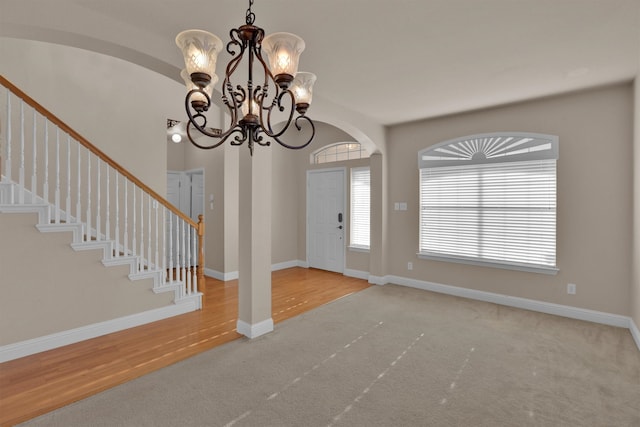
[(49, 163)]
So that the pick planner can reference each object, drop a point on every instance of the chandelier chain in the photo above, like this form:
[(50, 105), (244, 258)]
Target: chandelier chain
[(250, 16)]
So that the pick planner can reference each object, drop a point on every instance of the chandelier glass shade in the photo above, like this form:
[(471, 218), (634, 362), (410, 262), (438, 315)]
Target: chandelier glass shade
[(265, 109)]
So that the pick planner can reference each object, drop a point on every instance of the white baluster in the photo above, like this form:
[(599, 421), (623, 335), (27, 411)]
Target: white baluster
[(68, 201), (98, 201), (107, 225), (171, 245), (177, 263), (34, 168), (149, 259), (45, 190), (56, 197), (183, 276), (155, 209), (126, 218), (141, 258), (134, 241), (88, 234), (117, 199), (21, 170), (78, 190), (194, 261), (188, 259), (7, 168), (164, 244)]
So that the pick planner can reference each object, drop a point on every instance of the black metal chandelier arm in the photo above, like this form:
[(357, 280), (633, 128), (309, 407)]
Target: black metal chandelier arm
[(239, 139), (235, 39), (268, 130), (193, 118), (203, 147), (202, 127), (298, 147)]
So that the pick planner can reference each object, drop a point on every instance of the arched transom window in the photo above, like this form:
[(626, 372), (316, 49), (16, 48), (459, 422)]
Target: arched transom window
[(339, 152)]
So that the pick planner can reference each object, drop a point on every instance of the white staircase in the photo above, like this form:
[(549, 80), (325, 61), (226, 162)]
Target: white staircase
[(111, 255), (50, 170)]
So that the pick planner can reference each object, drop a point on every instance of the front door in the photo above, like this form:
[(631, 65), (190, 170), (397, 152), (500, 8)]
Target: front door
[(326, 219)]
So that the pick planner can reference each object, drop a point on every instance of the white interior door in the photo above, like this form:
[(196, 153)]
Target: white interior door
[(185, 190), (177, 183), (197, 195), (326, 219)]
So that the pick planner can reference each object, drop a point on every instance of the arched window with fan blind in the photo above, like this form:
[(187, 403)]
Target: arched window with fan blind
[(490, 199)]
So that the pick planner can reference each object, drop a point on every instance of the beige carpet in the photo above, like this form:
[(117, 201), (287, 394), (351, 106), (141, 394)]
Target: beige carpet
[(390, 356)]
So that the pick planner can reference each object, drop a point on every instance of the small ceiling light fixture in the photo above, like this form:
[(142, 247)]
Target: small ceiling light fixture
[(249, 106)]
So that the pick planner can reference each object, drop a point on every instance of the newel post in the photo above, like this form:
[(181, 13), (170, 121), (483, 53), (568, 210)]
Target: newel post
[(201, 280)]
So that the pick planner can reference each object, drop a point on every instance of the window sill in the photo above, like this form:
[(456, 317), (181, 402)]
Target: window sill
[(364, 249), (507, 266)]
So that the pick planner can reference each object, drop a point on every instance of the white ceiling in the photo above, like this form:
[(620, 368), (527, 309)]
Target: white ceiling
[(393, 61)]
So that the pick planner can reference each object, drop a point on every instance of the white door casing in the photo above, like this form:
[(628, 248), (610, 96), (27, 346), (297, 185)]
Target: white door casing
[(326, 219)]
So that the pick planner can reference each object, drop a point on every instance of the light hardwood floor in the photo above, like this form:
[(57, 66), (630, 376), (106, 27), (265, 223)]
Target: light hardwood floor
[(37, 384)]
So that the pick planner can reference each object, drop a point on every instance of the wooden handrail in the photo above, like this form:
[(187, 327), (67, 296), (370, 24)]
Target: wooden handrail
[(95, 150)]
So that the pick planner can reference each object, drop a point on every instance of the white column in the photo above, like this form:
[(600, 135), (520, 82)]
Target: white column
[(634, 296), (378, 231), (231, 203), (254, 245)]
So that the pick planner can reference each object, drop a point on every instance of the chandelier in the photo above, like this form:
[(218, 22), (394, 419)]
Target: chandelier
[(256, 111)]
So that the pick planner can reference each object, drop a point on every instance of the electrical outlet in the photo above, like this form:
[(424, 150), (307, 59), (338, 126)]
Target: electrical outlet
[(571, 288), (409, 266)]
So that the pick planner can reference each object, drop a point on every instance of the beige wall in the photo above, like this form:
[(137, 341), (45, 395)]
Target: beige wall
[(594, 198), (284, 205), (118, 106), (59, 289), (175, 156)]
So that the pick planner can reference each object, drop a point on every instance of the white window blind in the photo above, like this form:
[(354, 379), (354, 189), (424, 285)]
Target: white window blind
[(490, 199), (493, 212), (360, 207)]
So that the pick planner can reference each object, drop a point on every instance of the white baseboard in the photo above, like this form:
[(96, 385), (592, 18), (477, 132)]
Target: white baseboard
[(379, 280), (358, 274), (635, 332), (285, 265), (220, 275), (255, 330), (524, 303), (59, 339), (233, 275)]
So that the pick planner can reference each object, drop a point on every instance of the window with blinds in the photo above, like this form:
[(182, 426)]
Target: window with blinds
[(490, 200), (360, 207)]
